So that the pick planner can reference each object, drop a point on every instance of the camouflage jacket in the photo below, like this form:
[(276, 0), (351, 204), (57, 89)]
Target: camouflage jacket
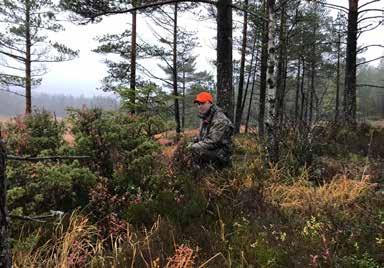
[(216, 131)]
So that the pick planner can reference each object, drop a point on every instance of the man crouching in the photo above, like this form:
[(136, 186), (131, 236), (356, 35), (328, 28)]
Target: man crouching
[(213, 146)]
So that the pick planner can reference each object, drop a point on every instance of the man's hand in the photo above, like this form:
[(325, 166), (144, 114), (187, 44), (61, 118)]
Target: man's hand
[(189, 145), (195, 139)]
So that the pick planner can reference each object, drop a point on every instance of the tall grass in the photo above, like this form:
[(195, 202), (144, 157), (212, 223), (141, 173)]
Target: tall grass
[(78, 244)]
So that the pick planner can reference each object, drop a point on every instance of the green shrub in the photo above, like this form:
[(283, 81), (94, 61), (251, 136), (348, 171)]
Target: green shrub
[(34, 134), (36, 188), (118, 145), (359, 261)]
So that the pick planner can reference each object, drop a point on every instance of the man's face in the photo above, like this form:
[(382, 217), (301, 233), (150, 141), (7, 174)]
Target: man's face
[(204, 107)]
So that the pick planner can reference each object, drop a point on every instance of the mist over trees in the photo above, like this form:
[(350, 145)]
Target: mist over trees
[(24, 44), (12, 105)]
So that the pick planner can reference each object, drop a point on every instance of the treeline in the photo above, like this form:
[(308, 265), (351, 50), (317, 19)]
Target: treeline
[(370, 96), (11, 105)]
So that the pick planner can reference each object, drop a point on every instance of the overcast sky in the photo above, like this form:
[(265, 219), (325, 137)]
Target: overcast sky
[(83, 75)]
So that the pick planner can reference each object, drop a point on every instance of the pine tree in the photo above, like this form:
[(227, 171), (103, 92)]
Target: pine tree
[(24, 44)]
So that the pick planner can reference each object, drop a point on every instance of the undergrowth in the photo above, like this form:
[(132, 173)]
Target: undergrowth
[(254, 214)]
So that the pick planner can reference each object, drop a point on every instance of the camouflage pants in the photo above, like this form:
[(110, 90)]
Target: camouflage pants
[(219, 158)]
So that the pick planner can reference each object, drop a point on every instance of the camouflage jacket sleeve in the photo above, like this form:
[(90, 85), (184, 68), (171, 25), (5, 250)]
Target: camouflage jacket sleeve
[(219, 134)]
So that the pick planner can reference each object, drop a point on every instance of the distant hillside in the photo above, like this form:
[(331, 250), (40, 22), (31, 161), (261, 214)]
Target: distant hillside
[(11, 104)]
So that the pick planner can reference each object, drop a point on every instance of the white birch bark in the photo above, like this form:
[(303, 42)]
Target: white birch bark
[(271, 124)]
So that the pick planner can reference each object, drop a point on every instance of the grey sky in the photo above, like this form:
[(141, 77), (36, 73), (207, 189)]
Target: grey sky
[(83, 75)]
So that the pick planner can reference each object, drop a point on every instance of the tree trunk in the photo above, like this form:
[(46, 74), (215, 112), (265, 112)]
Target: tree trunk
[(28, 73), (224, 57), (313, 73), (239, 111), (307, 97), (183, 111), (284, 86), (133, 63), (175, 93), (350, 65), (249, 73), (251, 97), (271, 124), (312, 92), (302, 94), (5, 253), (337, 104), (297, 90), (263, 74), (281, 67)]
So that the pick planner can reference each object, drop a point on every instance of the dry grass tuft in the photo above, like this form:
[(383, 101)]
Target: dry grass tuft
[(79, 245), (67, 247), (183, 258), (300, 197)]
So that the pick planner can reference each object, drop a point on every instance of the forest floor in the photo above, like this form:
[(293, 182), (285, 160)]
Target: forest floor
[(319, 211)]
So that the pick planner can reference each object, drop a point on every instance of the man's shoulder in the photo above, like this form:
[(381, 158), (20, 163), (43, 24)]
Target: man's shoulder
[(220, 117)]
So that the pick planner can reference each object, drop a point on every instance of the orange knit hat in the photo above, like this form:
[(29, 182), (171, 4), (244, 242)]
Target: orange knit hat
[(203, 97)]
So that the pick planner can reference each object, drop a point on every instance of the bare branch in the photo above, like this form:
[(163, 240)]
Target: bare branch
[(156, 4), (371, 9), (42, 158), (368, 61), (149, 73), (337, 7), (35, 218), (370, 17), (160, 56), (368, 3), (52, 60), (375, 45), (362, 30), (12, 56), (368, 85), (12, 92)]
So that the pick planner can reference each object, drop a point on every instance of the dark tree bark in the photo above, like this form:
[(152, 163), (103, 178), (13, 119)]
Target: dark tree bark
[(302, 91), (251, 96), (133, 62), (183, 110), (263, 75), (239, 111), (224, 57), (337, 104), (284, 86), (349, 108), (313, 74), (307, 96), (312, 91), (175, 92), (249, 73), (28, 45), (5, 253), (297, 90)]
